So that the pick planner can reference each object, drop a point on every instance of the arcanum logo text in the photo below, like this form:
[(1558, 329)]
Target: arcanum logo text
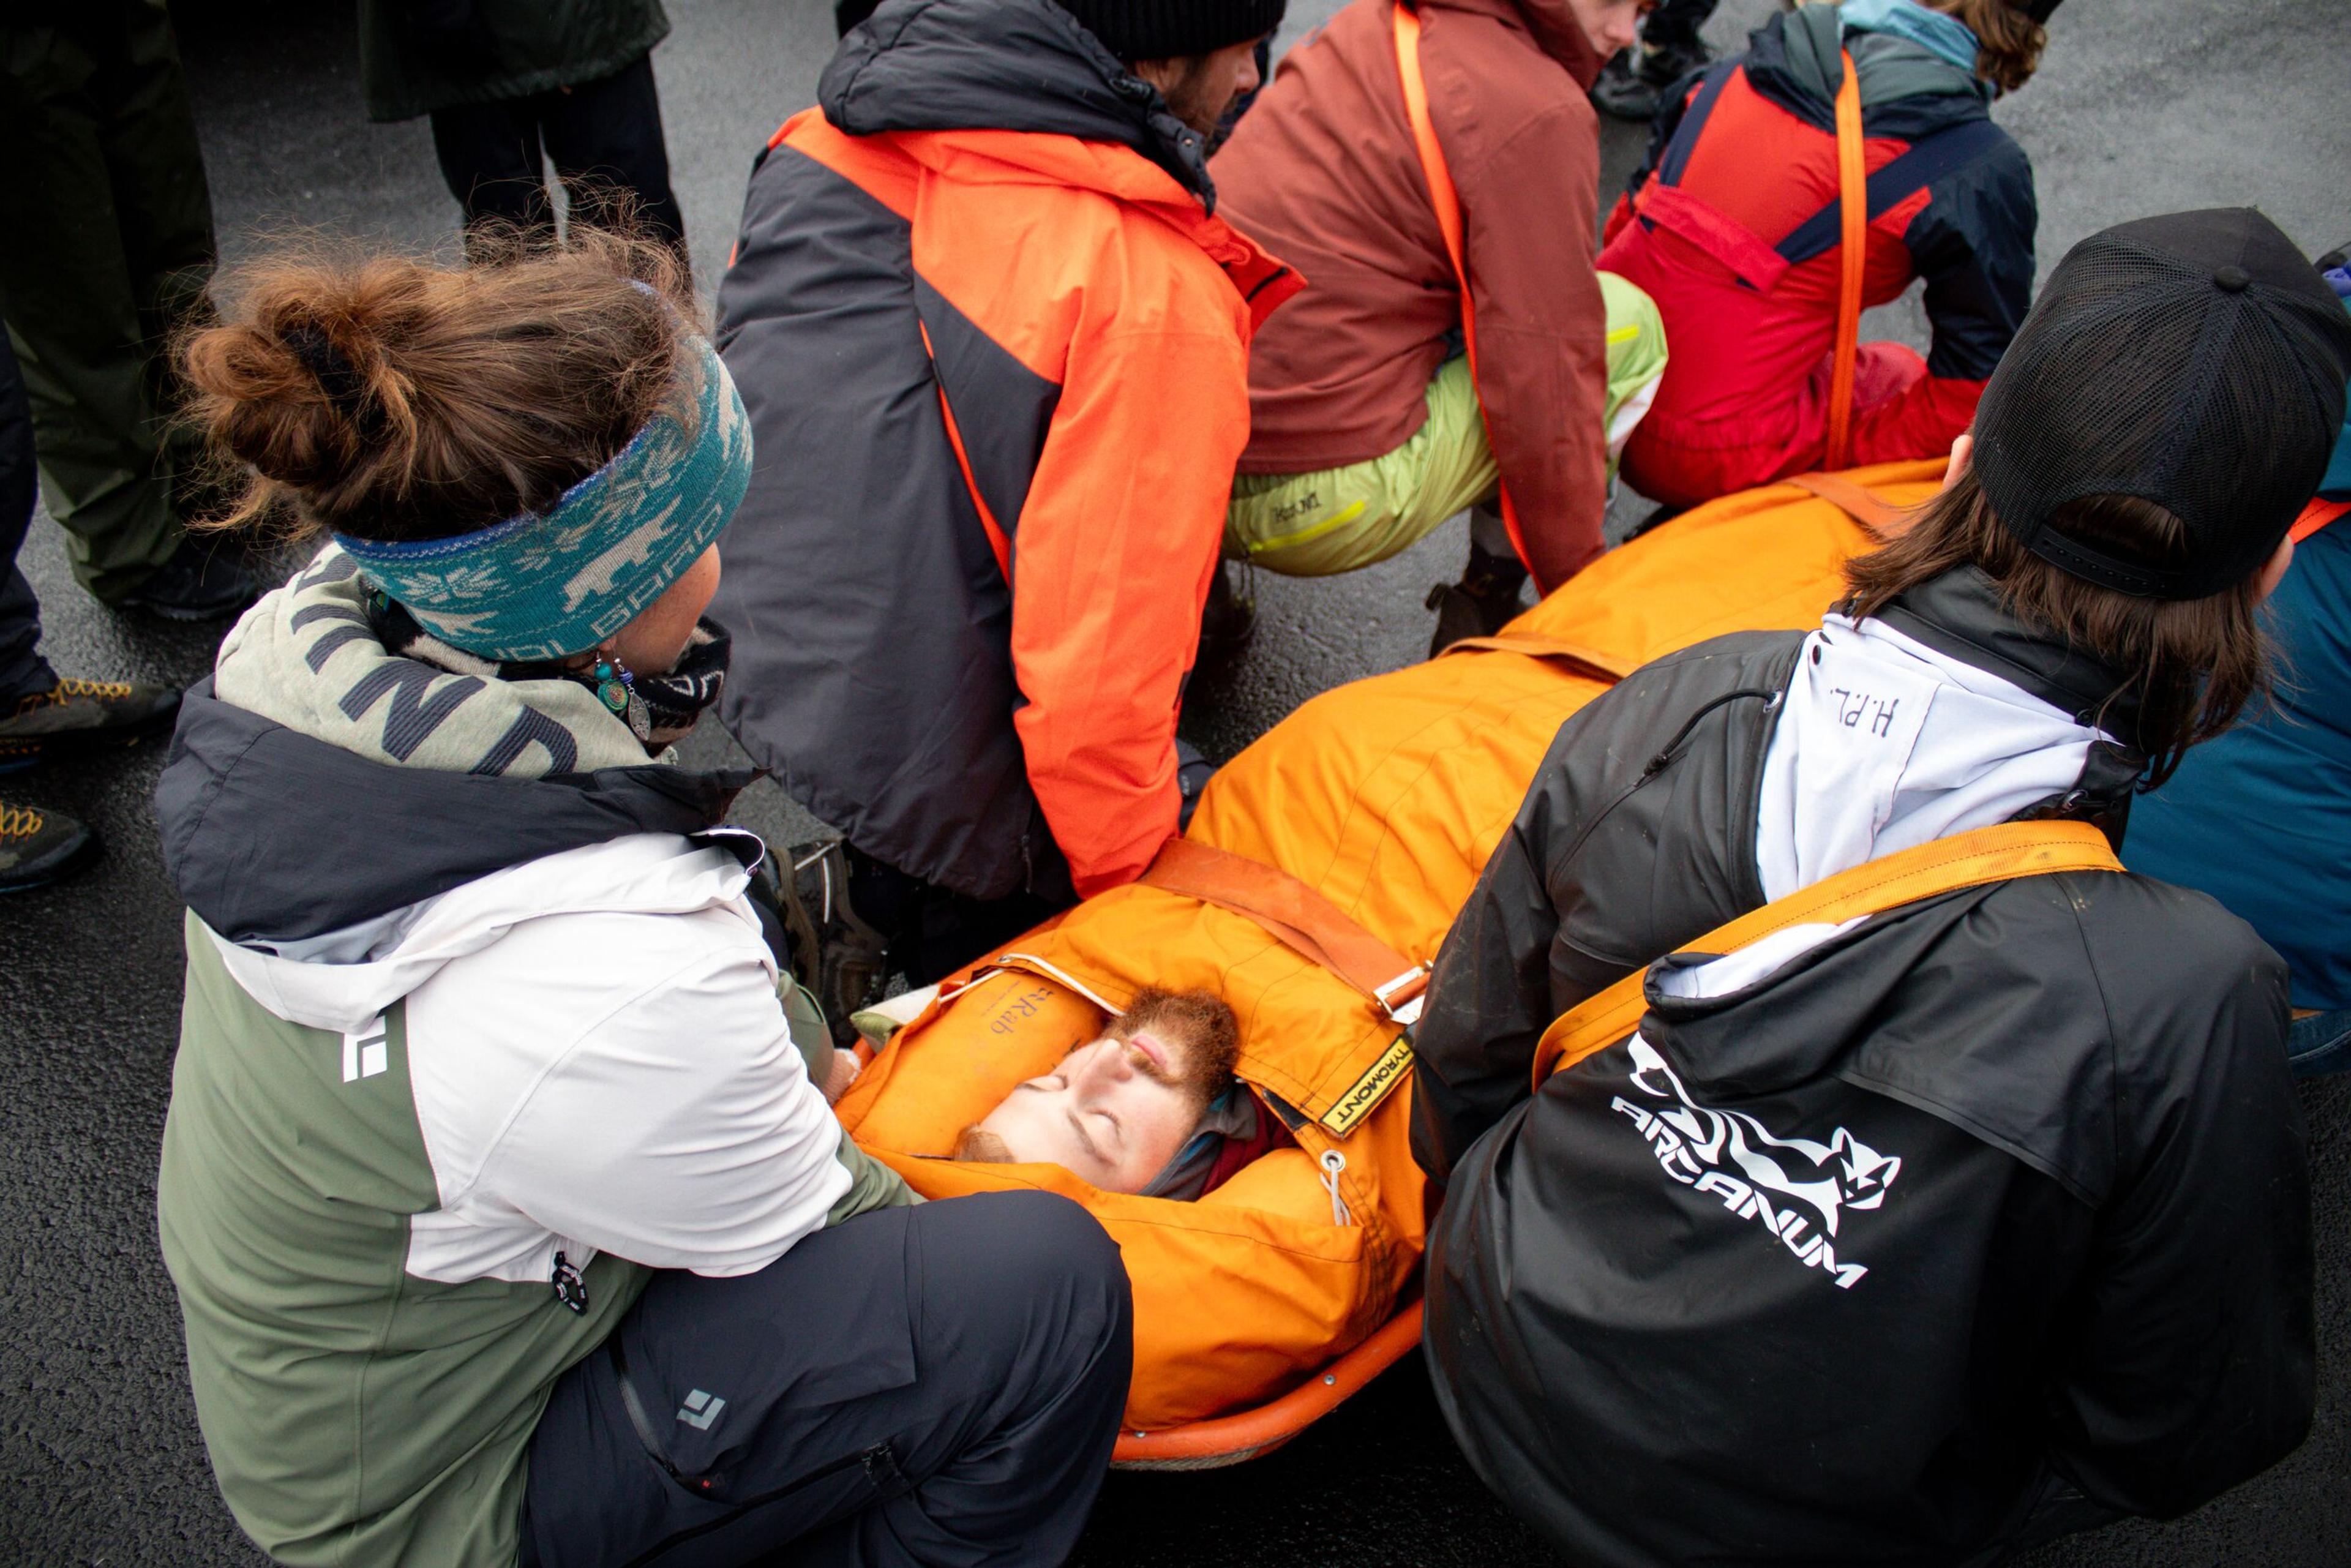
[(1794, 1188)]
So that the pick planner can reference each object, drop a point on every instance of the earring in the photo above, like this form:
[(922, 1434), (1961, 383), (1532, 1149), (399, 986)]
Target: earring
[(614, 684)]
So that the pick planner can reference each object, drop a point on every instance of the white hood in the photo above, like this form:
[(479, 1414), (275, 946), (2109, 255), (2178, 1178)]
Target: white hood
[(1883, 743), (644, 873)]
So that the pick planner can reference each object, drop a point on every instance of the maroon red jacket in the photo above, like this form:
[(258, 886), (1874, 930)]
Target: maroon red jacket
[(1322, 171)]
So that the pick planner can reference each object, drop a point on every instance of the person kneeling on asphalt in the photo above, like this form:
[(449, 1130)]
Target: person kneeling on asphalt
[(506, 1223), (1921, 1236), (980, 301), (1733, 224), (1369, 424)]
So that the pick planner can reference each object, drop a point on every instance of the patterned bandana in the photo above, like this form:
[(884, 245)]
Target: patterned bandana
[(545, 585)]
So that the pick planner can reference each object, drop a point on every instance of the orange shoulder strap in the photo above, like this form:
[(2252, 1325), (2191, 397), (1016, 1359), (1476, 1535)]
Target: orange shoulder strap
[(2316, 516), (1852, 199), (1448, 203), (1997, 854), (1296, 915)]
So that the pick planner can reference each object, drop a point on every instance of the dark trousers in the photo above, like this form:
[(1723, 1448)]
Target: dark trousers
[(1675, 24), (107, 247), (938, 1384), (931, 931), (604, 138), (22, 668)]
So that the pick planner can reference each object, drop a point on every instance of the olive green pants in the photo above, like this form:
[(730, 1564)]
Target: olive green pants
[(106, 248), (1318, 525)]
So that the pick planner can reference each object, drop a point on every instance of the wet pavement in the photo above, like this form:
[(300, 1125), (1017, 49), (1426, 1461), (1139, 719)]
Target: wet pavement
[(2142, 107)]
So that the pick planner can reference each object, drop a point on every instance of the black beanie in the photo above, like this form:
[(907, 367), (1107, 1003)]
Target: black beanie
[(1165, 29)]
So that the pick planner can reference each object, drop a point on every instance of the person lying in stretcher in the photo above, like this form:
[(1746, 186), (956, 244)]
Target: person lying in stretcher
[(1151, 1108)]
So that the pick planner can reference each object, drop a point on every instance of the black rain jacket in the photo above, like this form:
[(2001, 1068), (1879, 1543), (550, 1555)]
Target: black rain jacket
[(1990, 1212)]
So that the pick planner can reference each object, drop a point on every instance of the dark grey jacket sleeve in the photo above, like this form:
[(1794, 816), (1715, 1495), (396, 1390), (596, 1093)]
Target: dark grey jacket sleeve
[(1490, 996), (2191, 1365)]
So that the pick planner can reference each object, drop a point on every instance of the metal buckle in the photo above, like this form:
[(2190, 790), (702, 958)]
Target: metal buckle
[(1401, 998)]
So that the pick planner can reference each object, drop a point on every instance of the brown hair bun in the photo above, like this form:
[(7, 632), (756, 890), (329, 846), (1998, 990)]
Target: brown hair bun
[(395, 397)]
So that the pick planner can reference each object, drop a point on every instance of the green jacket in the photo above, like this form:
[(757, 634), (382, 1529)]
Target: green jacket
[(496, 49), (367, 1281)]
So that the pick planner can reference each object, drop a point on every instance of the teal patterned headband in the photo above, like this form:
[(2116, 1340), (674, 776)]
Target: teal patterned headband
[(547, 584)]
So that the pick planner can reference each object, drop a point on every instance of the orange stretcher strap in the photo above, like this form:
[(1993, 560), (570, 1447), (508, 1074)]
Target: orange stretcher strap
[(2314, 517), (1447, 203), (1296, 915), (1997, 854), (1879, 517), (1853, 198)]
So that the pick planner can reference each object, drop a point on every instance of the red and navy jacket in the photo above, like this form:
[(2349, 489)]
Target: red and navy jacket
[(1732, 223)]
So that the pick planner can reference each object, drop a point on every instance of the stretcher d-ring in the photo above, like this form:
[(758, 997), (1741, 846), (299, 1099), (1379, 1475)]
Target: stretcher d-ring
[(1249, 1434)]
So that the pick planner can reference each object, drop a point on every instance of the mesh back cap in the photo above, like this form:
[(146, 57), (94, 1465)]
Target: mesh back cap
[(2196, 361)]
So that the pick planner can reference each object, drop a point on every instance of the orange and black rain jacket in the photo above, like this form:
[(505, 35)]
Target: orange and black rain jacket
[(994, 345)]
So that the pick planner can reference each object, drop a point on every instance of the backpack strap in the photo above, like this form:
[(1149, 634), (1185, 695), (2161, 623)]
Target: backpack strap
[(1298, 918), (1997, 853), (2316, 516), (1447, 203), (1853, 211)]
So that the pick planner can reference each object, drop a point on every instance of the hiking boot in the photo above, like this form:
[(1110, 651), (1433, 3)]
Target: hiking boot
[(37, 848), (198, 583), (837, 958), (77, 712), (1634, 83), (1484, 602), (1227, 623)]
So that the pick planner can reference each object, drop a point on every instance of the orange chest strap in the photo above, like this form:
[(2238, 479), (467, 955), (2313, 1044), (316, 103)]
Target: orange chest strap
[(1997, 853), (1298, 918), (1446, 202)]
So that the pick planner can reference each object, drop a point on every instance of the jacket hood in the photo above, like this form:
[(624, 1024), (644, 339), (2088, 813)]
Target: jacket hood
[(644, 874), (1905, 89), (1024, 66), (1959, 613), (1551, 25), (276, 838)]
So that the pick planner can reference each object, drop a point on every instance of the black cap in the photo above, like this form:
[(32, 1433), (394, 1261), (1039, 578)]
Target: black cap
[(2195, 360), (2038, 10), (1167, 30)]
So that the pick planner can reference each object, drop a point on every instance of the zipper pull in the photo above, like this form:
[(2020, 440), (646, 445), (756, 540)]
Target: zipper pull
[(1334, 1164), (569, 1288)]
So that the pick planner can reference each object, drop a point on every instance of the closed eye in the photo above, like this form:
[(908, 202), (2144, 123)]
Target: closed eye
[(1086, 1140)]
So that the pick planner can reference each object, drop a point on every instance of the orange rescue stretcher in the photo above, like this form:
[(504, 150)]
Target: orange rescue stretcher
[(1312, 891)]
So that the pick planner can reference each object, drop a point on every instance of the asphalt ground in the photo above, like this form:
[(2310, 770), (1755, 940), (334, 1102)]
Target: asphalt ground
[(2144, 106)]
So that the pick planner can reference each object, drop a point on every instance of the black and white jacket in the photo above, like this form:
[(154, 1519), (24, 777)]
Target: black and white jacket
[(1906, 1242)]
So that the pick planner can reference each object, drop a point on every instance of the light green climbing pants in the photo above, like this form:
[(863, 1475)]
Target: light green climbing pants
[(1318, 525)]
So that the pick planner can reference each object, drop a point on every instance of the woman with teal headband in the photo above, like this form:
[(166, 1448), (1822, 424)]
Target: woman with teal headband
[(508, 1215)]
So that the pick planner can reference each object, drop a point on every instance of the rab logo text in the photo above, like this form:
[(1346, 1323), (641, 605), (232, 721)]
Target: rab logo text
[(1793, 1187)]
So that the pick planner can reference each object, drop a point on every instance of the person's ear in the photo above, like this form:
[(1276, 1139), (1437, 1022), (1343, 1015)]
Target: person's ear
[(1962, 450), (2274, 568)]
